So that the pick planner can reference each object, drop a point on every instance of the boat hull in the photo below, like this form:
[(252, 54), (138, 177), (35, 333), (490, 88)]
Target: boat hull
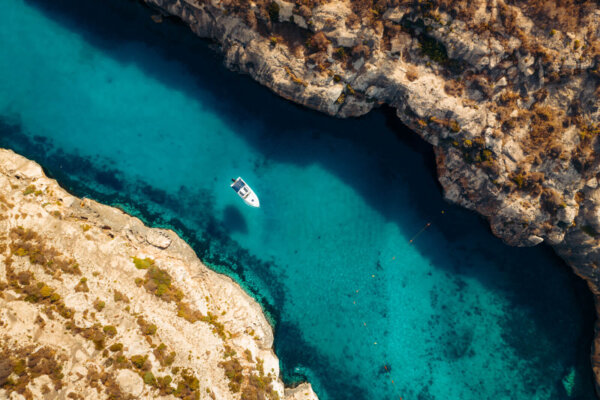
[(245, 192), (252, 200)]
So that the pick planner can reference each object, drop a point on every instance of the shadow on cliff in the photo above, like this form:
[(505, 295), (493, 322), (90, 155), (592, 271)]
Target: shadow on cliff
[(286, 133)]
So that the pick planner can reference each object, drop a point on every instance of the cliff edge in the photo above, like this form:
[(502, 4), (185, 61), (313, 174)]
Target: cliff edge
[(507, 92), (95, 305)]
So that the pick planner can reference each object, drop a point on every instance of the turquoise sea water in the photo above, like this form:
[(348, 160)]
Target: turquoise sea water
[(143, 116)]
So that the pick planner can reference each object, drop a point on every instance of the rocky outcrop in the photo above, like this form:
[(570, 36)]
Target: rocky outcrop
[(93, 304), (505, 90)]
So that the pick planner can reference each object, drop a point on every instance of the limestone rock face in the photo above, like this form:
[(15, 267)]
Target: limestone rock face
[(506, 91), (96, 304), (158, 239)]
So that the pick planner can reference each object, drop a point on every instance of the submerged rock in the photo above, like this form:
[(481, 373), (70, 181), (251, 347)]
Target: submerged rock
[(568, 382)]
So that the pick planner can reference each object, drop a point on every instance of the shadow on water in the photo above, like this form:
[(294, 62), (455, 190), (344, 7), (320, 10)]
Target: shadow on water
[(234, 220), (75, 174), (107, 24)]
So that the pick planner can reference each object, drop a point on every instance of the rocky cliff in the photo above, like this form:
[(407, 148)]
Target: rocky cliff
[(507, 92), (95, 305)]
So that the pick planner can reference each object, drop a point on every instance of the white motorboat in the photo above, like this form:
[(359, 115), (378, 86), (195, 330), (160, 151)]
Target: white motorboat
[(245, 192)]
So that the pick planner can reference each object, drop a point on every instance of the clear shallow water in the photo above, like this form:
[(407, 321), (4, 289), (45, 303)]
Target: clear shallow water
[(143, 116)]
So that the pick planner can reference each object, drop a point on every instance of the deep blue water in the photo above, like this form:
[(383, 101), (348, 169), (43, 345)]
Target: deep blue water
[(143, 116)]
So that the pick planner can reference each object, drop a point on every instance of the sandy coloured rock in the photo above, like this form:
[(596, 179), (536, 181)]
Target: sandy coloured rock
[(94, 303)]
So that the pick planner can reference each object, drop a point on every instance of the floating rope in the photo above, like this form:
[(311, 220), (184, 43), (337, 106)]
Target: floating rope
[(387, 370), (392, 380), (427, 225)]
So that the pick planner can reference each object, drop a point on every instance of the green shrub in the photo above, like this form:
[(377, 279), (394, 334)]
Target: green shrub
[(118, 296), (433, 49), (229, 352), (99, 305), (273, 10), (158, 282), (121, 362), (188, 387), (350, 90), (218, 327), (144, 263), (110, 330), (19, 367), (116, 347), (139, 361), (94, 334), (185, 311), (146, 328), (27, 242), (29, 189), (161, 355), (340, 54), (82, 286), (454, 126), (149, 379), (248, 355), (233, 372), (519, 180)]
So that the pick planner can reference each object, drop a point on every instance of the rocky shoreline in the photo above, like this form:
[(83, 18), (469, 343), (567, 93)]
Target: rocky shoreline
[(507, 93), (97, 305)]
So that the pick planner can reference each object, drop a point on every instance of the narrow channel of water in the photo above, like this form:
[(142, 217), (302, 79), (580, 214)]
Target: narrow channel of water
[(143, 116)]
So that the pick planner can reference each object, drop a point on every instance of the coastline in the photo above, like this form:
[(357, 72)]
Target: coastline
[(525, 200), (94, 246), (94, 172)]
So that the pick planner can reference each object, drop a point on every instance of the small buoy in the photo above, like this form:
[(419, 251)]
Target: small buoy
[(158, 18)]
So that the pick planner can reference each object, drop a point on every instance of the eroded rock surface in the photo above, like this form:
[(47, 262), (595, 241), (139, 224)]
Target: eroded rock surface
[(507, 92), (94, 305)]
